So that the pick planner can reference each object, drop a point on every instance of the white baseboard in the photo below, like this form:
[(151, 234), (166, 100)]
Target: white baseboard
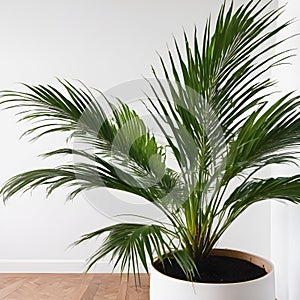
[(51, 266), (55, 266)]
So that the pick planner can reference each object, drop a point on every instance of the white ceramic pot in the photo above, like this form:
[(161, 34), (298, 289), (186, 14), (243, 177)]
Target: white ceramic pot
[(163, 287)]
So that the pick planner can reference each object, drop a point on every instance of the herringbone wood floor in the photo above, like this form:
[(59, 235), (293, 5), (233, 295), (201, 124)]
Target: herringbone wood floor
[(72, 287)]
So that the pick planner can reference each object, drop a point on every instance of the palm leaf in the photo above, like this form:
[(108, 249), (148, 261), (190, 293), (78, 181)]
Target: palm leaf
[(127, 243)]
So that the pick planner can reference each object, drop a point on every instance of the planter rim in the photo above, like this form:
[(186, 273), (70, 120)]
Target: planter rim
[(257, 260)]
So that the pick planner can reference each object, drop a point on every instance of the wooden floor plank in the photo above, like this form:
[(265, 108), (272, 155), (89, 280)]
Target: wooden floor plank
[(72, 287), (10, 285)]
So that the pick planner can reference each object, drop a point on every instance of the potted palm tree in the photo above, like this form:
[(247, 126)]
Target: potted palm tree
[(213, 110)]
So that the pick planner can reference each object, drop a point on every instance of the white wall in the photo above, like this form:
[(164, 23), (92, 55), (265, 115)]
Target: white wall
[(285, 219), (102, 43)]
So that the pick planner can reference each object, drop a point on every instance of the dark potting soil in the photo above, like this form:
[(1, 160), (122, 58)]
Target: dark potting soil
[(215, 269)]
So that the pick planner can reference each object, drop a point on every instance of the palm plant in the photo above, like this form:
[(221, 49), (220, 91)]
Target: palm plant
[(218, 125)]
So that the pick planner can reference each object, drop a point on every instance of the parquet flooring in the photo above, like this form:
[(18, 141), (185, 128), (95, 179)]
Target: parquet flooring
[(72, 287)]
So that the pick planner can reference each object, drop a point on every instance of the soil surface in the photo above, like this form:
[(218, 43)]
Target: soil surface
[(215, 269)]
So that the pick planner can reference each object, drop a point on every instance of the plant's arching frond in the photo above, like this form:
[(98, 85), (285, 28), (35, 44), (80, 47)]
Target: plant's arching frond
[(266, 137), (253, 191), (130, 243), (121, 135)]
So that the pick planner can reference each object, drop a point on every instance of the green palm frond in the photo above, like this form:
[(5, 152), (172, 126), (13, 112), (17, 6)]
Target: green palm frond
[(81, 114), (253, 191), (224, 72), (129, 243), (284, 188), (268, 137), (81, 177)]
